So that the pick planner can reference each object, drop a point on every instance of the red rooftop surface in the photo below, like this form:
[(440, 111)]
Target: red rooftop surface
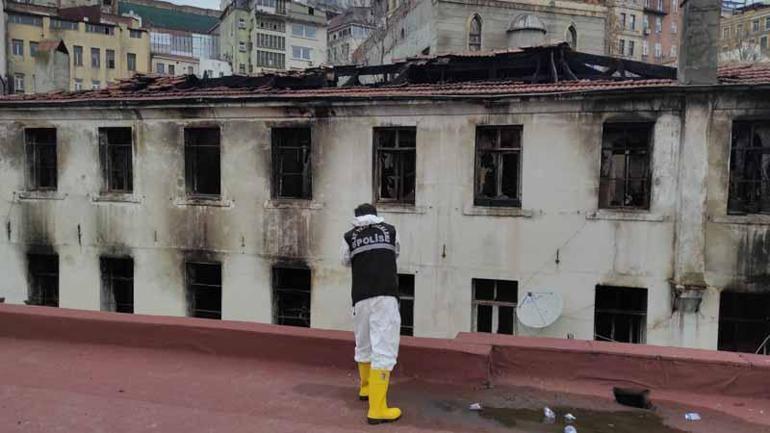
[(68, 370), (545, 70)]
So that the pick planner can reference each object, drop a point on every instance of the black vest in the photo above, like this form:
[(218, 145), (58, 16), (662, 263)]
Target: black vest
[(373, 260)]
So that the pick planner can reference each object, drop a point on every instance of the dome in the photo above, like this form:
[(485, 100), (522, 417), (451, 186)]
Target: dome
[(526, 22)]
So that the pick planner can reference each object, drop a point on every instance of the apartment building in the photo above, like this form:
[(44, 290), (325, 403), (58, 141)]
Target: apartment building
[(662, 20), (346, 32), (269, 35), (101, 47), (625, 28), (4, 86), (744, 34)]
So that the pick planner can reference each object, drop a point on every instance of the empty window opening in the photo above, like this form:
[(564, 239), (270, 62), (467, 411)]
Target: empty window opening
[(620, 314), (494, 306), (498, 166), (750, 168), (292, 171), (116, 158), (395, 164), (40, 146), (117, 284), (43, 279), (291, 296), (204, 290), (744, 322), (202, 169), (625, 167), (406, 303), (474, 34)]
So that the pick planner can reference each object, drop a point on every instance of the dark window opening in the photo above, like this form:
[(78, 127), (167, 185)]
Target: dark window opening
[(474, 34), (116, 156), (204, 290), (494, 306), (43, 279), (620, 314), (117, 284), (202, 169), (750, 168), (744, 322), (291, 296), (395, 164), (406, 303), (498, 166), (292, 171), (624, 181), (41, 158)]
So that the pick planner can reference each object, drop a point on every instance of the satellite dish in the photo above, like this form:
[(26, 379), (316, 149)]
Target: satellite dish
[(539, 309)]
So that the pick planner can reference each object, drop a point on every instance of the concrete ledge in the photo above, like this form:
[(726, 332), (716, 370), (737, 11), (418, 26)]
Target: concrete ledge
[(430, 359), (616, 364)]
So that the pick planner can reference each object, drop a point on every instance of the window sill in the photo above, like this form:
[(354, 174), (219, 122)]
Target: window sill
[(752, 219), (493, 211), (291, 203), (203, 201), (111, 197), (400, 208), (625, 215), (41, 195)]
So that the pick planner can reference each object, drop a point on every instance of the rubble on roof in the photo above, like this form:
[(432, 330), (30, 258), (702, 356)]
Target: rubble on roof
[(549, 69)]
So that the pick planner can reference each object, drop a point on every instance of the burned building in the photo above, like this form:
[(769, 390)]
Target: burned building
[(641, 200)]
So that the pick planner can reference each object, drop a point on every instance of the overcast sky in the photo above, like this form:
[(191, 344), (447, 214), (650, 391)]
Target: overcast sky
[(210, 4)]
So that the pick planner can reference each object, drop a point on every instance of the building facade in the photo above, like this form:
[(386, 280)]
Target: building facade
[(625, 29), (744, 34), (662, 22), (271, 35), (4, 86), (102, 48), (346, 32), (415, 27), (640, 201)]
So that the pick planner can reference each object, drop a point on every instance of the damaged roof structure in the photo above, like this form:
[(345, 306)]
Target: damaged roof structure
[(547, 69)]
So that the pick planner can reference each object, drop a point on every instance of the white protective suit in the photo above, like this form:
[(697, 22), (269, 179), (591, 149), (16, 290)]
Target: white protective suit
[(376, 321)]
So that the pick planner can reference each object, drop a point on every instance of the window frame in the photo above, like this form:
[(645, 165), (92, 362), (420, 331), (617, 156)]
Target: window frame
[(277, 288), (108, 280), (738, 205), (406, 299), (278, 137), (615, 313), (475, 33), (96, 61), (109, 58), (398, 150), (77, 55), (131, 62), (34, 283), (647, 180), (192, 190), (495, 305), (106, 149), (191, 285), (17, 43), (33, 162), (499, 153)]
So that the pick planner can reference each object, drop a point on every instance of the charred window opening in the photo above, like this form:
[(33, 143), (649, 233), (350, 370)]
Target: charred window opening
[(494, 306), (406, 303), (117, 284), (744, 322), (116, 156), (620, 314), (395, 160), (291, 296), (202, 169), (498, 166), (204, 290), (292, 175), (43, 279), (41, 158), (624, 181), (750, 168)]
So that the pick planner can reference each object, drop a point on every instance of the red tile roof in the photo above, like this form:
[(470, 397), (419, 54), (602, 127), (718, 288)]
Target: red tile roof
[(164, 88)]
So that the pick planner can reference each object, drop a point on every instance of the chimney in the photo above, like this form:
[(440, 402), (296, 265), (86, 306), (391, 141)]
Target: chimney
[(698, 46)]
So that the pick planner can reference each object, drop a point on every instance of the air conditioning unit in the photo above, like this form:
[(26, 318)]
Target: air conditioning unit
[(647, 31)]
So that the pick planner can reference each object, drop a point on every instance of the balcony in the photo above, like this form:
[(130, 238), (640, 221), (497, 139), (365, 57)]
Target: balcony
[(656, 7)]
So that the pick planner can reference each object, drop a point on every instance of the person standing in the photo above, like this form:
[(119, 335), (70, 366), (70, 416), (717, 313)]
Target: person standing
[(370, 248)]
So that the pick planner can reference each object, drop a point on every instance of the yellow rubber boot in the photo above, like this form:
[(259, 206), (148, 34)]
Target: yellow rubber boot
[(379, 412), (363, 373)]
